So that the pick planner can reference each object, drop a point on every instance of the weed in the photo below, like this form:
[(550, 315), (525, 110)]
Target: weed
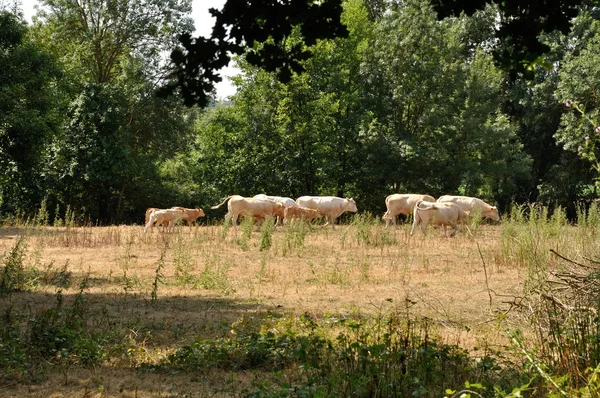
[(266, 234), (13, 275), (183, 261), (158, 276), (294, 236), (214, 276), (58, 222), (42, 217)]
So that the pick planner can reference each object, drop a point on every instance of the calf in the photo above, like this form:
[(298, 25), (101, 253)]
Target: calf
[(189, 215), (292, 213)]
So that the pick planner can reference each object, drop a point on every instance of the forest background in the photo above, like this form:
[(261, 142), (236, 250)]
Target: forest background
[(405, 103)]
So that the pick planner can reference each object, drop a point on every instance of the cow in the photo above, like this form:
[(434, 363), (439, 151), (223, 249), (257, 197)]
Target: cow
[(469, 204), (162, 216), (258, 208), (148, 211), (402, 204), (189, 215), (439, 213), (330, 207), (281, 199), (292, 213)]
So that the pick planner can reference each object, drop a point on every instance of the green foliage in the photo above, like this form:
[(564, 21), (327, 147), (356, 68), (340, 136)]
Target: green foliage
[(383, 356), (13, 274), (370, 232), (28, 119), (60, 334)]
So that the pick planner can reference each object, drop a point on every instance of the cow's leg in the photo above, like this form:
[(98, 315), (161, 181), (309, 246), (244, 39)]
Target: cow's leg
[(148, 224), (234, 218), (454, 229), (331, 221)]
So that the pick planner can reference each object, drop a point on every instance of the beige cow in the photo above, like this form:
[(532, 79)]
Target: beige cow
[(162, 216), (292, 213), (438, 213), (281, 199), (189, 215), (402, 204), (258, 208), (330, 207), (469, 204), (149, 210)]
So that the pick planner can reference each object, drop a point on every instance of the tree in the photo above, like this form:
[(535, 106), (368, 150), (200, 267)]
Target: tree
[(116, 133), (436, 100), (577, 91), (102, 35), (28, 114)]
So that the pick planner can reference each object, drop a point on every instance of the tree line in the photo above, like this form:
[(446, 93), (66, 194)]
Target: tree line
[(404, 103)]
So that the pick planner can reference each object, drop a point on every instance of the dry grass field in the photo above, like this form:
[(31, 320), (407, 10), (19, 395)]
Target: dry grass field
[(159, 291)]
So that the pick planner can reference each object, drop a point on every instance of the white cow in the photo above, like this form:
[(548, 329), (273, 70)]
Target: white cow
[(258, 208), (330, 207), (280, 199), (164, 216), (402, 204), (439, 213), (469, 204)]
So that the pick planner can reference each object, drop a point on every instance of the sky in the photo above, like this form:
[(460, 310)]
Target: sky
[(203, 22)]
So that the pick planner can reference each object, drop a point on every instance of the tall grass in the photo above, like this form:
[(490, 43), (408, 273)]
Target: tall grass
[(527, 235), (369, 231), (294, 236)]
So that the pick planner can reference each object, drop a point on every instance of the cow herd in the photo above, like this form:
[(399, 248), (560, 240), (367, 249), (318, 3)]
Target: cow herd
[(447, 210)]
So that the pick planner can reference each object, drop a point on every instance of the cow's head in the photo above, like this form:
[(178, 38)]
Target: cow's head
[(351, 205), (491, 212)]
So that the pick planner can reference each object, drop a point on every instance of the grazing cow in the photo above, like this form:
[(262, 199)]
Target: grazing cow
[(330, 207), (163, 216), (281, 199), (189, 215), (402, 204), (298, 212), (469, 204), (439, 213), (258, 208)]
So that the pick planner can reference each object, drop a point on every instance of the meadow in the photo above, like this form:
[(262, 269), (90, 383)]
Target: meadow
[(300, 310)]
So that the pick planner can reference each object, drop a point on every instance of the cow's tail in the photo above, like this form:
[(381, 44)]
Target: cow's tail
[(416, 218), (222, 203)]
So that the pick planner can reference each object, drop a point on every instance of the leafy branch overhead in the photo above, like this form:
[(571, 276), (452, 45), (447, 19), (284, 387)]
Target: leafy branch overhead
[(262, 30), (259, 29), (521, 23)]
